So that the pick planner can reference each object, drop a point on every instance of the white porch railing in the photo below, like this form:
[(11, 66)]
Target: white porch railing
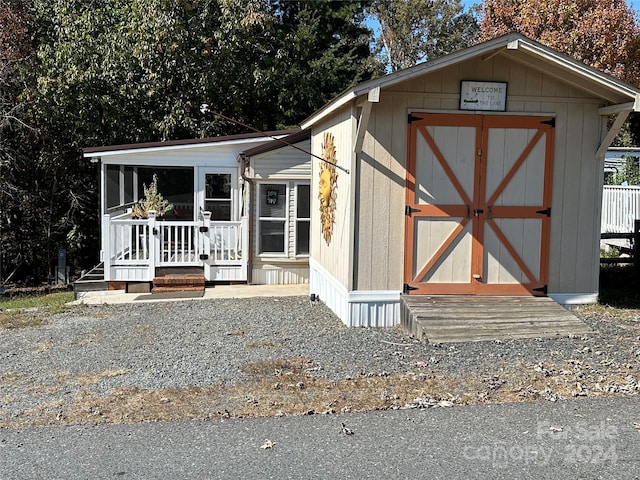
[(620, 207), (145, 244), (177, 244)]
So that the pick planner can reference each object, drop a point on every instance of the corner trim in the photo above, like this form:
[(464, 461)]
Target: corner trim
[(369, 308)]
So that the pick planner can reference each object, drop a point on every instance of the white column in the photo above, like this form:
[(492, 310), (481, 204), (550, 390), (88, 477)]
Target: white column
[(154, 243)]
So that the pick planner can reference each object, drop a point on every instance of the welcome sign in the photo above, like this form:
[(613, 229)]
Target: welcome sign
[(483, 96)]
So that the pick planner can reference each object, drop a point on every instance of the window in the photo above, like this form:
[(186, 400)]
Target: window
[(277, 223), (272, 212), (120, 182), (112, 178), (175, 184), (218, 195), (303, 218)]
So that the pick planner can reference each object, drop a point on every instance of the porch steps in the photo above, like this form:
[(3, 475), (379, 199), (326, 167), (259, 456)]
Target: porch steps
[(181, 281), (92, 281), (468, 318)]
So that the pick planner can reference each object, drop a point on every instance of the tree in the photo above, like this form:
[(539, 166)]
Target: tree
[(412, 31), (100, 72), (321, 48), (600, 33), (16, 55)]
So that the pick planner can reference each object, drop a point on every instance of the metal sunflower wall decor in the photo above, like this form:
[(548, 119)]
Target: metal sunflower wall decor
[(327, 187)]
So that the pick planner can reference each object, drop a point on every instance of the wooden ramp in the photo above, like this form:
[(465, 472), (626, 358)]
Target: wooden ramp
[(469, 318)]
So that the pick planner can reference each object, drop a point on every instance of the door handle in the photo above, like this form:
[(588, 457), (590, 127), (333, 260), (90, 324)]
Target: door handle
[(477, 212)]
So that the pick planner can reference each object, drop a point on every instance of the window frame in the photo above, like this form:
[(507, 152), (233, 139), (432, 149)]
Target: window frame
[(259, 219), (297, 219)]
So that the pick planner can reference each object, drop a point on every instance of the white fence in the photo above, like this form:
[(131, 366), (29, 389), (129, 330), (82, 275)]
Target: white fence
[(620, 207)]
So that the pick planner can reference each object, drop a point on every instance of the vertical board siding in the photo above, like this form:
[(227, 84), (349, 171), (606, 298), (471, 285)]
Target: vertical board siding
[(569, 196), (557, 198), (381, 201), (589, 204), (335, 255), (380, 226)]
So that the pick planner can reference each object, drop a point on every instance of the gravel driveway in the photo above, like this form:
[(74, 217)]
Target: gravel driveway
[(96, 350)]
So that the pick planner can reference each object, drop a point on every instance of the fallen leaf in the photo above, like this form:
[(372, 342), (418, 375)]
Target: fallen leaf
[(345, 430), (268, 444)]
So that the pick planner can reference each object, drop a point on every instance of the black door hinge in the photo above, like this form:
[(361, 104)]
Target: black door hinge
[(204, 256), (408, 210), (204, 229), (546, 211), (406, 288), (542, 289), (412, 118), (551, 122)]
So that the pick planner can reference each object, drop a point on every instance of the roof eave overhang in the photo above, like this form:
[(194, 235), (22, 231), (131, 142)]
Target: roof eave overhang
[(563, 67), (241, 139), (520, 48)]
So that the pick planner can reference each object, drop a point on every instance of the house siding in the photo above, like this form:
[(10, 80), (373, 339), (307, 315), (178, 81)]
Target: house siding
[(335, 255), (576, 184), (291, 167)]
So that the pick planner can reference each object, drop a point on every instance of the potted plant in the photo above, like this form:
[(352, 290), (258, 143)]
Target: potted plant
[(152, 200)]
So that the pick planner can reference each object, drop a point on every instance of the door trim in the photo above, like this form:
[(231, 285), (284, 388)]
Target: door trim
[(485, 211)]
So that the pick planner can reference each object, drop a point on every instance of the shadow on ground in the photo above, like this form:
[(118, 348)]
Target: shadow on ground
[(619, 286)]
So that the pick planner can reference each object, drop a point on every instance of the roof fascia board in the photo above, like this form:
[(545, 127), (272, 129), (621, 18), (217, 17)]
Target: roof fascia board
[(404, 75), (129, 151), (331, 107), (279, 143), (556, 63), (559, 73), (577, 67)]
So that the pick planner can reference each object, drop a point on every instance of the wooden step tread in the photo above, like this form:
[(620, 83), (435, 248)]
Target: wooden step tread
[(441, 319), (173, 280), (177, 289)]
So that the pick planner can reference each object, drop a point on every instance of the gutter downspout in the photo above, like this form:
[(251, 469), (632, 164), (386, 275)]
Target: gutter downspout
[(249, 212)]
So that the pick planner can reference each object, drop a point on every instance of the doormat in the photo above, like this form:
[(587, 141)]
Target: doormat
[(170, 295)]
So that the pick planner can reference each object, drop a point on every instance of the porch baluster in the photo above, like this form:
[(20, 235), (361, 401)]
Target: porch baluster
[(154, 242)]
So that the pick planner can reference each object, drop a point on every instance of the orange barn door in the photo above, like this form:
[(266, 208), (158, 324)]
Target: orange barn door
[(478, 204)]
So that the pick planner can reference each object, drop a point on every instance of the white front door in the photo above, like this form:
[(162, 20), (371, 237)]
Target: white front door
[(226, 236), (218, 192)]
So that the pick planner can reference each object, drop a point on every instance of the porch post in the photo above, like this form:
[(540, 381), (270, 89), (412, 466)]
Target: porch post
[(244, 225), (105, 249), (154, 243), (206, 236)]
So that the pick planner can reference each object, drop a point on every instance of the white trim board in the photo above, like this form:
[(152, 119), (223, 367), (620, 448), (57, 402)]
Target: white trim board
[(373, 308), (574, 298)]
